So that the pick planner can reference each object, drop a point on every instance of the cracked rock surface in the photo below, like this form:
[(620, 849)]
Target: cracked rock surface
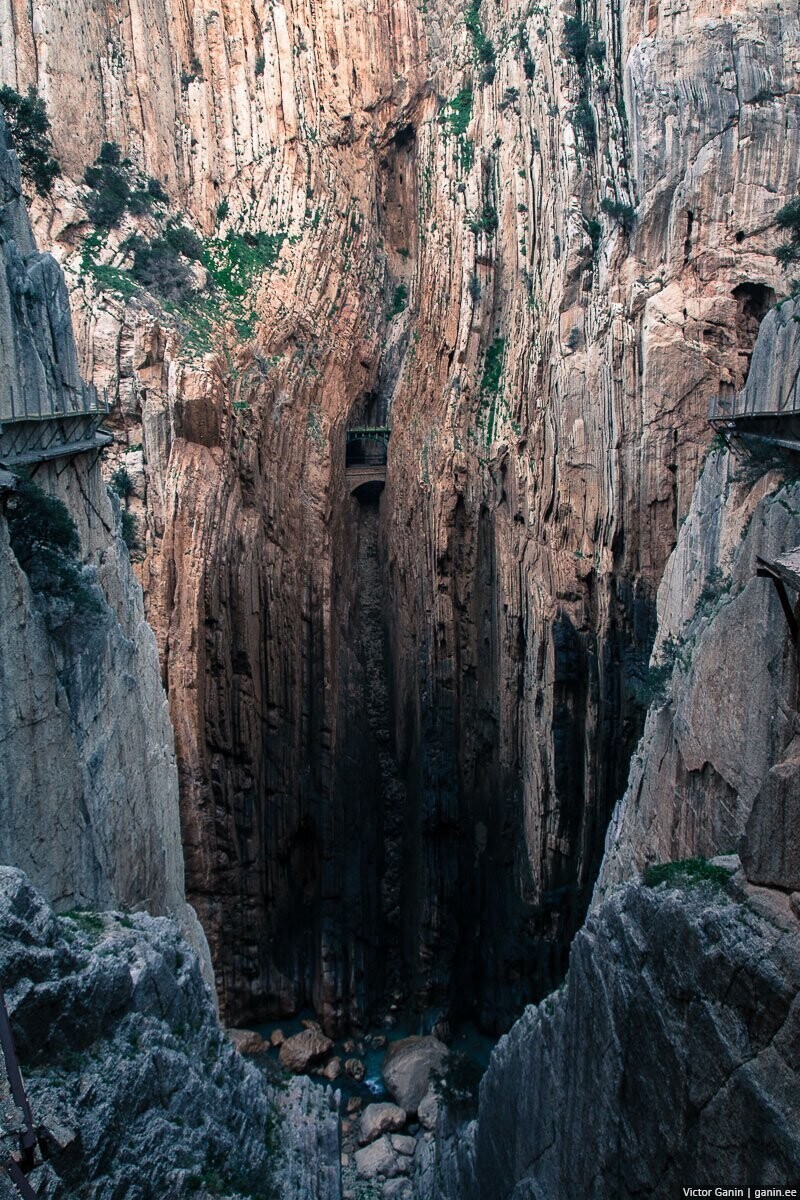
[(124, 1060), (670, 1053)]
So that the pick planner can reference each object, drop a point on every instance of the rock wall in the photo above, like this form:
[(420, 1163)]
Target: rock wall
[(88, 778), (127, 1069), (668, 1055), (721, 737), (583, 236)]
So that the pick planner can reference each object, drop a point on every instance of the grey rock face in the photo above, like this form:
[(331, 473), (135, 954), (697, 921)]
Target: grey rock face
[(119, 1043), (38, 361), (88, 779), (670, 1053)]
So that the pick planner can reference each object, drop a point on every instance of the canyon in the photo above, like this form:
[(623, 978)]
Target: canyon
[(381, 752)]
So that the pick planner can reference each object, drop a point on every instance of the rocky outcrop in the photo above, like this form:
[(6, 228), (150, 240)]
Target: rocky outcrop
[(717, 755), (576, 283), (88, 779), (127, 1067), (669, 1054)]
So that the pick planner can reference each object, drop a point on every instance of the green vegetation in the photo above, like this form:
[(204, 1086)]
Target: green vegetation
[(457, 1083), (234, 261), (121, 483), (116, 188), (260, 64), (399, 301), (579, 43), (455, 118), (223, 209), (458, 113), (106, 277), (129, 529), (690, 872), (483, 46), (486, 221), (653, 687), (87, 921), (493, 367), (623, 214), (788, 219), (582, 118), (29, 131), (46, 545), (159, 265)]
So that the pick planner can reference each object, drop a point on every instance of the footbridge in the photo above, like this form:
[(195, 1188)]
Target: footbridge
[(366, 454)]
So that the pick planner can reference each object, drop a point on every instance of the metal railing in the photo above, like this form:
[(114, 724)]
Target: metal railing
[(367, 446), (80, 402), (746, 404)]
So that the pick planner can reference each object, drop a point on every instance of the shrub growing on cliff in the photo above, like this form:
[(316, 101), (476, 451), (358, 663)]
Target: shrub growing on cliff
[(158, 266), (788, 219), (399, 301), (121, 483), (29, 130), (129, 529), (623, 214), (46, 545), (117, 187), (689, 872), (457, 1083)]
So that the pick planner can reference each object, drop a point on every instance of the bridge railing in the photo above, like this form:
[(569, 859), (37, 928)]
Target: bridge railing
[(367, 446)]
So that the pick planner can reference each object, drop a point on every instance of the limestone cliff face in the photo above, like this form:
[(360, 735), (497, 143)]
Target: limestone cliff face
[(720, 743), (583, 239), (668, 1054), (88, 778)]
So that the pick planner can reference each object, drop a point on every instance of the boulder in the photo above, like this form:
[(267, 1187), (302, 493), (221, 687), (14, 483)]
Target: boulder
[(302, 1051), (380, 1118), (332, 1069), (355, 1069), (247, 1041), (379, 1158), (408, 1066), (403, 1144), (277, 1037)]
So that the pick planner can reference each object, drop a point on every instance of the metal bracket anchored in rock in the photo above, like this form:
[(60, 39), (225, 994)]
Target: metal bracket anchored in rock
[(18, 1165)]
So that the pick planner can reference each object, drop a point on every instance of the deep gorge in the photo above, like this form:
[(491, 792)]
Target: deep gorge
[(418, 743)]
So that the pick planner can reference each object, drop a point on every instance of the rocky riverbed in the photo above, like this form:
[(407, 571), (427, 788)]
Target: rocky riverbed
[(391, 1089)]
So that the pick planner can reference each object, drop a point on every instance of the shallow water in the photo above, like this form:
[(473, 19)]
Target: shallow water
[(466, 1040)]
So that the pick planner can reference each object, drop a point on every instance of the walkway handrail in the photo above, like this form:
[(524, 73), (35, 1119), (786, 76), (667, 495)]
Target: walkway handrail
[(744, 404)]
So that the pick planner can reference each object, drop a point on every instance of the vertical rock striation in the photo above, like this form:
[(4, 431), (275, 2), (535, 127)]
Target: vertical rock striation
[(88, 779), (579, 229)]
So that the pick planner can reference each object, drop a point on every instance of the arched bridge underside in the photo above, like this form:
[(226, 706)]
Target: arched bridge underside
[(366, 453)]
